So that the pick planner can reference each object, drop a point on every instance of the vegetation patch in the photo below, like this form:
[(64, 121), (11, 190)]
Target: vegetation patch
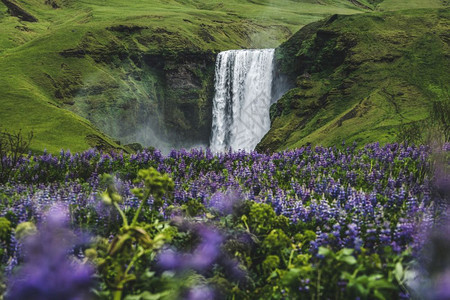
[(314, 222), (361, 78), (76, 47)]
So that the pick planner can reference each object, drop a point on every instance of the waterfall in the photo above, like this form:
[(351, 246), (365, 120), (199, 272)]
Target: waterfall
[(243, 93)]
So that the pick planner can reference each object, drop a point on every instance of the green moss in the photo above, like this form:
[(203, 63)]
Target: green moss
[(367, 76)]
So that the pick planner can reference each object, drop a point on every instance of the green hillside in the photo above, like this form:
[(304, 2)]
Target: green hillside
[(136, 70), (363, 78)]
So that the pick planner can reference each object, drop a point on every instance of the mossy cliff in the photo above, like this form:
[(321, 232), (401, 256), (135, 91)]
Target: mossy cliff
[(361, 78), (149, 96)]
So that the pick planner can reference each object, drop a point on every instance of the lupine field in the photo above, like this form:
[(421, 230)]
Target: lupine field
[(311, 223)]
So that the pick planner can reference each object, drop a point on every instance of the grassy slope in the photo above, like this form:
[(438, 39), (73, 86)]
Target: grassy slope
[(33, 71), (369, 74), (410, 4)]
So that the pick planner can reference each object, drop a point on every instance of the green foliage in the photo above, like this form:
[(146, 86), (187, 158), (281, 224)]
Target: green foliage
[(155, 184), (338, 275), (270, 264), (440, 115), (363, 78), (24, 230), (262, 219), (5, 235), (193, 208), (282, 266), (5, 229), (12, 147), (412, 133), (110, 196), (276, 242), (124, 259), (304, 238)]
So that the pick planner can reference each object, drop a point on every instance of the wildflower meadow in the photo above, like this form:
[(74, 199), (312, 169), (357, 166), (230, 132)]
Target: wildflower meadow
[(310, 223)]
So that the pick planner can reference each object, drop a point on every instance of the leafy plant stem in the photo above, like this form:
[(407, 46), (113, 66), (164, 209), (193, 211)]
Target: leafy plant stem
[(290, 259), (133, 260), (124, 218), (318, 284), (117, 294), (136, 215)]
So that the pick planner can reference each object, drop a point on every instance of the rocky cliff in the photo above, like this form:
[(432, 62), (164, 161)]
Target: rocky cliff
[(361, 78), (156, 98)]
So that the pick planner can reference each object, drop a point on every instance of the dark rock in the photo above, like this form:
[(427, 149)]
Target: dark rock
[(135, 147), (127, 28), (99, 143), (52, 3), (359, 4), (15, 10)]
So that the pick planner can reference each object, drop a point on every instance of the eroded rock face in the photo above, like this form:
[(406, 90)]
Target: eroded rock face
[(182, 77), (155, 99), (189, 87)]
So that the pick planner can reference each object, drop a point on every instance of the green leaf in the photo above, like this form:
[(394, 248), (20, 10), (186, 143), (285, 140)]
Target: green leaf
[(375, 277), (148, 296), (347, 251), (380, 284), (106, 198), (117, 243), (129, 277), (398, 272), (349, 260), (24, 230), (361, 280), (379, 295), (142, 235), (149, 274), (362, 290), (324, 251), (145, 296)]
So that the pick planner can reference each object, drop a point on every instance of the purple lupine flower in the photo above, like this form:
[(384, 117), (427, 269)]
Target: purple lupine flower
[(224, 203), (48, 273)]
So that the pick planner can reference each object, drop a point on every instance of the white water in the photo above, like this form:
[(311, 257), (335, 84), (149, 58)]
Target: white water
[(242, 101)]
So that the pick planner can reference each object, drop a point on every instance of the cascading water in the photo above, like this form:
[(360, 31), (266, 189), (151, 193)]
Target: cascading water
[(242, 101)]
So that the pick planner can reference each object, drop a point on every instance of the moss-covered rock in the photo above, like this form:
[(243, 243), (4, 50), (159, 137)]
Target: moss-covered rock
[(360, 78)]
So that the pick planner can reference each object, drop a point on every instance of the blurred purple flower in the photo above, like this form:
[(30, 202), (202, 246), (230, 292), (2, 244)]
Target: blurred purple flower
[(442, 181), (203, 256), (48, 273), (442, 287), (224, 202), (201, 292)]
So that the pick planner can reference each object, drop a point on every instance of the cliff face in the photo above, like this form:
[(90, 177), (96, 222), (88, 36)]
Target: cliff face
[(156, 98), (361, 78)]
